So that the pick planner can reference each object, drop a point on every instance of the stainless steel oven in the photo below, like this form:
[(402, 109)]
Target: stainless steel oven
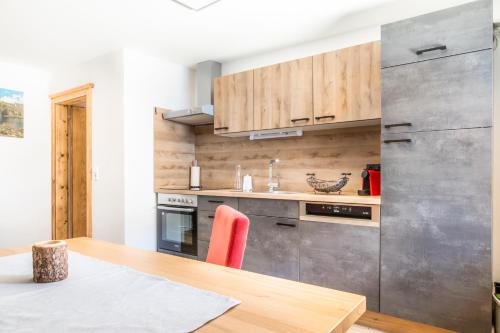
[(177, 225)]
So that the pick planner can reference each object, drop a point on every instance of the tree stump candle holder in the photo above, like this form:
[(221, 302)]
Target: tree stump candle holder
[(50, 261)]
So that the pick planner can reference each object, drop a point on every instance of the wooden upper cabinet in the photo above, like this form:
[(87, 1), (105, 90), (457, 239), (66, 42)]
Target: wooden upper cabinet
[(233, 103), (347, 84), (283, 95)]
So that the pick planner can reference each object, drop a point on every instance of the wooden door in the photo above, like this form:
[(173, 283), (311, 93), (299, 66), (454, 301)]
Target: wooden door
[(347, 84), (71, 163), (60, 176), (78, 172), (233, 103), (283, 95)]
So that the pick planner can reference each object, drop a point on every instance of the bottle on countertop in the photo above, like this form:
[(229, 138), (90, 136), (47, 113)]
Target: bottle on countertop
[(247, 184), (194, 180), (237, 178)]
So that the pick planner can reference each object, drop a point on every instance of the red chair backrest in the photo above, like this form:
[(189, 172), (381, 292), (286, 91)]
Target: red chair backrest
[(229, 237)]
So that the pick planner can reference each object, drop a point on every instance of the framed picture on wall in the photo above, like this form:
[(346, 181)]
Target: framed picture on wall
[(11, 113)]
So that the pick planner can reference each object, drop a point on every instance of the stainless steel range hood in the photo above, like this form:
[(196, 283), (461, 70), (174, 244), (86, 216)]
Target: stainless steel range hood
[(203, 114)]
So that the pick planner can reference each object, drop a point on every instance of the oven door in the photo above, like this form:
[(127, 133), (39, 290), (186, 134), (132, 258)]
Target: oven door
[(177, 229)]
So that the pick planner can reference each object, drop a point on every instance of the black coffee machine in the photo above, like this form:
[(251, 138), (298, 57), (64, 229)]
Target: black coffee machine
[(366, 178)]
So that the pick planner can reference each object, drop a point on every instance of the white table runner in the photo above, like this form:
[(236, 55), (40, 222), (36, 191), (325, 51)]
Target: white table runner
[(101, 297)]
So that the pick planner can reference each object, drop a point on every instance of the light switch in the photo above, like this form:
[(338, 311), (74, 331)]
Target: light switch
[(95, 173)]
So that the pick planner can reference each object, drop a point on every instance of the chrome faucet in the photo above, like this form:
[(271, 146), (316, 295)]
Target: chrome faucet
[(271, 184)]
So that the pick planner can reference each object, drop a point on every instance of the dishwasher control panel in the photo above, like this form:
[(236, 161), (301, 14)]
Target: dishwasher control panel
[(335, 210)]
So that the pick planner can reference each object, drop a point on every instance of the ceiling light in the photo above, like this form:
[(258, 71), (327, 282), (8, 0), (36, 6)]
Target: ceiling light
[(195, 5)]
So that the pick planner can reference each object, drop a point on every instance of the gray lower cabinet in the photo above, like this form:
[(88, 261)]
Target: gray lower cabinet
[(342, 257), (211, 203), (205, 221), (266, 207), (202, 250), (273, 247), (206, 213), (453, 31), (447, 93), (436, 228)]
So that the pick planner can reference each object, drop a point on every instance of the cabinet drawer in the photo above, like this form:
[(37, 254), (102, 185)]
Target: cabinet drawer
[(268, 207), (211, 203), (460, 29), (436, 228), (272, 247), (342, 257), (205, 222), (447, 93)]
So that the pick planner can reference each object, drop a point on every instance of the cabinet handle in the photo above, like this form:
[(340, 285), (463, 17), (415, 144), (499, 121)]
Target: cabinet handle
[(397, 125), (299, 119), (221, 128), (323, 117), (286, 224), (216, 201), (211, 216), (435, 48), (398, 140)]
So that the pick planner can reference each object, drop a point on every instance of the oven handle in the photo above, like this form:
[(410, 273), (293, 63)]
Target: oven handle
[(176, 209)]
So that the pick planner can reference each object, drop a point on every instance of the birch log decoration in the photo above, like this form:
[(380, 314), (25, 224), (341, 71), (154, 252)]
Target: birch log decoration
[(50, 261)]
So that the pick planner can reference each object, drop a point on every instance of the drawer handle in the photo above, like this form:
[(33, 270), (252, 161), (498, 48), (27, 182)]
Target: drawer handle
[(299, 119), (286, 224), (216, 201), (435, 48), (324, 117), (221, 128), (397, 141), (398, 125), (211, 216)]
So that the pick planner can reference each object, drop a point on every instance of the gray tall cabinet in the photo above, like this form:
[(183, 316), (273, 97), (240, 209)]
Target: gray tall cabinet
[(437, 102)]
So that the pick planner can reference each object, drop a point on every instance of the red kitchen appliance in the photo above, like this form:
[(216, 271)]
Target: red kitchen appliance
[(371, 180)]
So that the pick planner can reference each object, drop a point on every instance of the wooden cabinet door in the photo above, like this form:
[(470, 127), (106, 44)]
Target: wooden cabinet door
[(347, 84), (233, 103), (283, 95)]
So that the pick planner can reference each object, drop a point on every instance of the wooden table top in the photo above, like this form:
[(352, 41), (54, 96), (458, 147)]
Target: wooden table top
[(295, 196), (268, 304)]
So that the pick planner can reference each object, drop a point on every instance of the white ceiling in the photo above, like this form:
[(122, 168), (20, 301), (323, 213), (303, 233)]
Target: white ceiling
[(52, 33)]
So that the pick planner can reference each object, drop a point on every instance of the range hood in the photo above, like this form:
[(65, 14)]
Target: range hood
[(203, 114)]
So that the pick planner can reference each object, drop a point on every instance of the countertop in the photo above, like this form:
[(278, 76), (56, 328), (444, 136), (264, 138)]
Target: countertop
[(296, 196)]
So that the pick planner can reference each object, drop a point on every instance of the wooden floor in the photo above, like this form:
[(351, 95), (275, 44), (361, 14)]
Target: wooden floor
[(372, 322)]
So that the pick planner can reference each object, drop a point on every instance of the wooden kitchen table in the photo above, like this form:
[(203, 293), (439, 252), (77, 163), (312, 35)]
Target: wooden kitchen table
[(268, 304)]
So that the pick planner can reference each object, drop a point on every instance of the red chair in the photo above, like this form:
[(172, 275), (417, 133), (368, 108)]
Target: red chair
[(229, 237)]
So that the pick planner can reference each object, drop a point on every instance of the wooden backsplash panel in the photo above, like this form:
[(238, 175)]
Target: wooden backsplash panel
[(328, 153), (173, 152)]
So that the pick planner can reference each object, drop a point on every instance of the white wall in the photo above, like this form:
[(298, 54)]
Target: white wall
[(25, 176), (128, 86), (148, 82), (303, 50), (106, 72), (357, 28)]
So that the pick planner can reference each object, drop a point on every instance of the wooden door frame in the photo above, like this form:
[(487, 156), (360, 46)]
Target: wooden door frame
[(70, 97)]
